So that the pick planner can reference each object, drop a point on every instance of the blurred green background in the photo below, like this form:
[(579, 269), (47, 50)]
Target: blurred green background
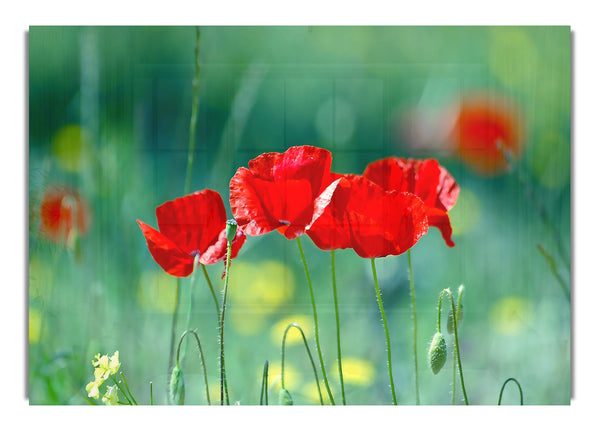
[(109, 115)]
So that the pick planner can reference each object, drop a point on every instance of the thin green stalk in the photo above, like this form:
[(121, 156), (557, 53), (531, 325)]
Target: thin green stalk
[(414, 310), (191, 331), (192, 142), (222, 324), (502, 390), (312, 298), (264, 389), (387, 334), (552, 265), (151, 396), (458, 305), (186, 186), (456, 345), (122, 390), (127, 387), (190, 305), (295, 325), (212, 290), (337, 327)]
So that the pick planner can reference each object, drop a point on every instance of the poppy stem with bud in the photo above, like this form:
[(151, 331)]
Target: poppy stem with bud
[(314, 307), (387, 333), (312, 362), (231, 228), (455, 330)]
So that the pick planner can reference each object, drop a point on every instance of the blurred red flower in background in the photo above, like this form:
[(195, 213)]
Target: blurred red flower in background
[(483, 123), (280, 190), (425, 178), (374, 222), (63, 215), (190, 225)]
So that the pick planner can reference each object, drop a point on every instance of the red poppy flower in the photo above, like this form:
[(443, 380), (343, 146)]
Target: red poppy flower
[(62, 213), (374, 222), (425, 178), (280, 190), (482, 123), (190, 225)]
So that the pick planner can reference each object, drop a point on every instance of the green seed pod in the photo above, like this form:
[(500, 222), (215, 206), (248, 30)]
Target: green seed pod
[(177, 387), (450, 321), (230, 229), (437, 352), (285, 399)]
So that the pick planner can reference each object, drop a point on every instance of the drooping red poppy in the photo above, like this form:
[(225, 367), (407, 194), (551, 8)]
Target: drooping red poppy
[(191, 225), (282, 191), (483, 124), (63, 212), (425, 178), (374, 222)]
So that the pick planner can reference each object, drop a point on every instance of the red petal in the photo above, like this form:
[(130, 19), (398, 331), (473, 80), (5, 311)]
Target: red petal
[(278, 191), (166, 253), (193, 222), (218, 251)]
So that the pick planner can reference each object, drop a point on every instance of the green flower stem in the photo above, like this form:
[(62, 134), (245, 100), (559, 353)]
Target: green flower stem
[(192, 142), (186, 187), (552, 265), (337, 327), (312, 298), (387, 334), (122, 390), (264, 389), (222, 325), (127, 387), (190, 306), (502, 390), (295, 325), (151, 397), (456, 346), (191, 331), (212, 291), (414, 309)]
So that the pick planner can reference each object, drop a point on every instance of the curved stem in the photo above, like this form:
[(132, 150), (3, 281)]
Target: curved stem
[(295, 325), (502, 390), (455, 325), (312, 298), (337, 327), (414, 309), (191, 331), (387, 334), (222, 324)]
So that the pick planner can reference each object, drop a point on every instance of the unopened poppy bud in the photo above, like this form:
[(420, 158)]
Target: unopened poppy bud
[(450, 322), (437, 352), (230, 229), (285, 399), (177, 387)]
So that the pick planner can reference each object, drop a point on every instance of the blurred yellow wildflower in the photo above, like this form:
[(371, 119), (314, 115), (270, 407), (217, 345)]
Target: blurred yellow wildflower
[(511, 315), (111, 397), (71, 146), (294, 336), (156, 291), (35, 325), (258, 290), (356, 371)]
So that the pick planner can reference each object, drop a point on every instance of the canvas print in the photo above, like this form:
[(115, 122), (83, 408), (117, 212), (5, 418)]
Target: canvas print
[(299, 215)]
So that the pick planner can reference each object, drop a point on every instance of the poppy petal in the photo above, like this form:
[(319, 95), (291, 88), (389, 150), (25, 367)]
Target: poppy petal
[(218, 250), (194, 221), (166, 253)]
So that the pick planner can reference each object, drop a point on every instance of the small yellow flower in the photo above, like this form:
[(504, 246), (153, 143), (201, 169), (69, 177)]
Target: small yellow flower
[(111, 397), (104, 368)]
